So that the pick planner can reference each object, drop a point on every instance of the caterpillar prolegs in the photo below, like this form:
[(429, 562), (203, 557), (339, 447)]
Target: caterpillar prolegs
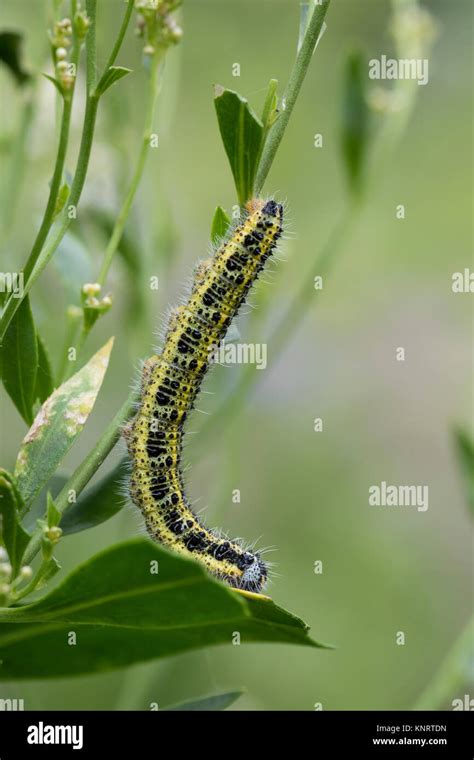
[(170, 384)]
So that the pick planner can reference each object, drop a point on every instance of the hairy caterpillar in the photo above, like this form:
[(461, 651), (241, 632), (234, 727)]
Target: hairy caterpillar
[(170, 384)]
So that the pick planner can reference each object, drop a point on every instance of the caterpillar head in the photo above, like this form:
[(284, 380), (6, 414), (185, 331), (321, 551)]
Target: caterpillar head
[(268, 208), (254, 572)]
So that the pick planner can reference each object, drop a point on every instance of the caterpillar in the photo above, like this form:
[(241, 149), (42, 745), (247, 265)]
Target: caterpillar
[(169, 385)]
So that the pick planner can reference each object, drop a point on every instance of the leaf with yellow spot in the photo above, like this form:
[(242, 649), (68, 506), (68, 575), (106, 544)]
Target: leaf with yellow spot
[(57, 425)]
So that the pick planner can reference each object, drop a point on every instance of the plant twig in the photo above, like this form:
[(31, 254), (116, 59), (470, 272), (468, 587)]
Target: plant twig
[(303, 59), (92, 102), (64, 129), (120, 222)]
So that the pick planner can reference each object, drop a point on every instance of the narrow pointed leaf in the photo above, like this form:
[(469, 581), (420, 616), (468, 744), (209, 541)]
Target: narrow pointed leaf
[(98, 503), (114, 74), (12, 534), (55, 82), (220, 225), (132, 603), (44, 375), (57, 425), (270, 107), (19, 359), (53, 515), (242, 133)]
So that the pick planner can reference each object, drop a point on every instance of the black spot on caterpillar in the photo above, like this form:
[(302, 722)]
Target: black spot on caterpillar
[(170, 384)]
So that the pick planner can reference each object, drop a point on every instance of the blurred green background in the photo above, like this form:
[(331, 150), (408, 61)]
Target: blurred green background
[(306, 493)]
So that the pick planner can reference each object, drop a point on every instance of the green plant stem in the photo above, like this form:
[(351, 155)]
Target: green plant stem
[(303, 59), (82, 475), (31, 586), (64, 130), (122, 217), (59, 230), (118, 44), (90, 115), (452, 675)]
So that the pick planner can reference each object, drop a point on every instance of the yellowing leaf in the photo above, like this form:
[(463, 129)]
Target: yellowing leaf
[(57, 425)]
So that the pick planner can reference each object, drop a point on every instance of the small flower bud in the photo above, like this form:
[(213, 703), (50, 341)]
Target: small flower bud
[(65, 25), (54, 534), (91, 289), (175, 32), (3, 554), (82, 23), (5, 589), (61, 54), (26, 572)]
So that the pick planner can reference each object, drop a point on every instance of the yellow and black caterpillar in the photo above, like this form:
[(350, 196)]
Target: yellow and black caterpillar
[(170, 384)]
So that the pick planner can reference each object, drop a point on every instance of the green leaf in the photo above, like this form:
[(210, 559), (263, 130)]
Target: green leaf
[(211, 703), (38, 509), (356, 122), (220, 225), (11, 479), (44, 376), (465, 455), (11, 55), (53, 515), (98, 503), (57, 425), (55, 82), (61, 199), (124, 613), (19, 358), (242, 134), (270, 113), (113, 75), (270, 107), (12, 534)]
